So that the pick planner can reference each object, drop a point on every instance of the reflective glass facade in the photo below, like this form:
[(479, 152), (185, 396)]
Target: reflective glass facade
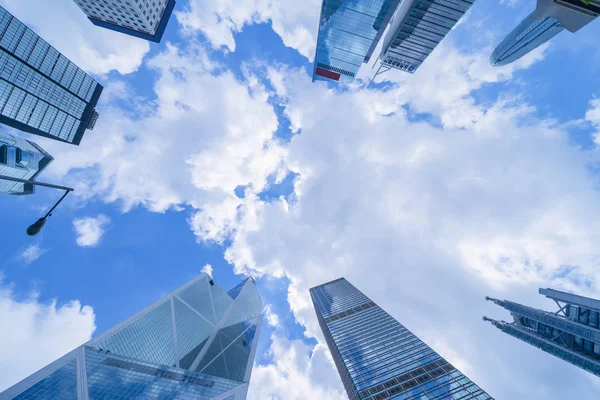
[(146, 19), (170, 350), (41, 91), (530, 34), (572, 333), (349, 30), (20, 158), (377, 357), (417, 29)]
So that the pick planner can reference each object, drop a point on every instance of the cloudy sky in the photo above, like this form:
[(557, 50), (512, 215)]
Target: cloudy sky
[(214, 151)]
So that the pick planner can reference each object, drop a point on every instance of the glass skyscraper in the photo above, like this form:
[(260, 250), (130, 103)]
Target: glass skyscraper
[(378, 358), (20, 158), (41, 91), (530, 34), (417, 28), (572, 333), (145, 19), (349, 31), (197, 343), (549, 19)]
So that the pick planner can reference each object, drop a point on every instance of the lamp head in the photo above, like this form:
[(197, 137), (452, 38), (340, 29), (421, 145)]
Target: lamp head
[(36, 227)]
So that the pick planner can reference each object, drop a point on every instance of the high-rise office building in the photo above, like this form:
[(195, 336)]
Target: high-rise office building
[(549, 19), (349, 31), (41, 91), (197, 343), (145, 19), (417, 28), (378, 358), (20, 158), (572, 333)]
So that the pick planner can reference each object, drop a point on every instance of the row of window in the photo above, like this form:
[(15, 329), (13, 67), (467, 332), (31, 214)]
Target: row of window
[(526, 37), (23, 107), (584, 316), (21, 41), (338, 297), (37, 85), (145, 18)]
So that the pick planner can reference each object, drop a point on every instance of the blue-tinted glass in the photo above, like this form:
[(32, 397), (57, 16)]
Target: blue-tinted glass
[(233, 293), (530, 34), (415, 34), (221, 300), (569, 334), (236, 358), (247, 306), (136, 360), (198, 297), (34, 74), (217, 367), (376, 356), (60, 385), (149, 338), (113, 377), (213, 352), (20, 158), (192, 330), (348, 33)]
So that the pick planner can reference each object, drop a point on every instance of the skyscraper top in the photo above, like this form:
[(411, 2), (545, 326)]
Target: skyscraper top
[(378, 358), (348, 34), (199, 342), (41, 91), (417, 28), (572, 333), (145, 19), (549, 19)]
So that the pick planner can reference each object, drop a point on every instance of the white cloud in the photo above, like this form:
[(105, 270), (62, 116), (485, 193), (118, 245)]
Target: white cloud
[(296, 22), (272, 318), (90, 230), (593, 116), (32, 253), (295, 373), (208, 270), (34, 334), (94, 49), (510, 3), (186, 148), (495, 203), (491, 198), (444, 84)]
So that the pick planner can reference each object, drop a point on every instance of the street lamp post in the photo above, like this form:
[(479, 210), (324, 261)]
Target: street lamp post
[(37, 226)]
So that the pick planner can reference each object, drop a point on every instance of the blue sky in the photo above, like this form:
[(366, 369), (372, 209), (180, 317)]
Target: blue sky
[(428, 191)]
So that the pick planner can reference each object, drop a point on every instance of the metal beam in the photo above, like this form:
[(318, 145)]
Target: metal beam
[(175, 346), (570, 298), (550, 319), (82, 381), (19, 180), (578, 359)]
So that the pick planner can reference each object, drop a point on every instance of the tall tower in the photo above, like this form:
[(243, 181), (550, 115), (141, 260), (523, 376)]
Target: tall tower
[(20, 158), (348, 34), (549, 19), (41, 91), (572, 333), (145, 19), (197, 343), (417, 28), (378, 358)]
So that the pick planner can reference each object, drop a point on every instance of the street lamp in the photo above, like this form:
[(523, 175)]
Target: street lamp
[(37, 226)]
